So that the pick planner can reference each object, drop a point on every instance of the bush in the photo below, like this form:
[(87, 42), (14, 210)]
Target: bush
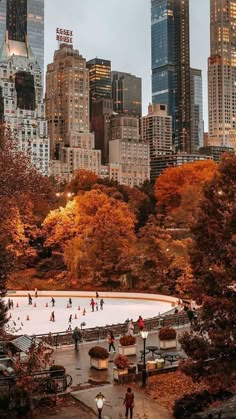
[(167, 333), (191, 403), (121, 362), (98, 352), (127, 340), (57, 371)]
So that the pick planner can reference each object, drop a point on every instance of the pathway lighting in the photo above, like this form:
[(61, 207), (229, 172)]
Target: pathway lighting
[(100, 399), (144, 335)]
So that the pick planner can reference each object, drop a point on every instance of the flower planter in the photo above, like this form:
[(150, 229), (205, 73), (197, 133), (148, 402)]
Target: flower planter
[(151, 365), (99, 364), (128, 350), (168, 344), (117, 372)]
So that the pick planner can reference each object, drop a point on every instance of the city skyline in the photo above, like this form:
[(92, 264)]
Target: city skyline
[(128, 50)]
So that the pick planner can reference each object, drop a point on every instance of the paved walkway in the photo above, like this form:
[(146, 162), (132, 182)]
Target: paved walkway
[(87, 382)]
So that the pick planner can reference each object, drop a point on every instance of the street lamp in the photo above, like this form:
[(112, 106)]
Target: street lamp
[(144, 335), (100, 399)]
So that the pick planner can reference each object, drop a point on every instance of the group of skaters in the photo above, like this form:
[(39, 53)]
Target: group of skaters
[(94, 304), (10, 304)]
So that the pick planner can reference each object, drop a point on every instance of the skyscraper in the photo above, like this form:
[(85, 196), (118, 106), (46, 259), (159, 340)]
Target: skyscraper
[(24, 16), (222, 70), (197, 125), (171, 65), (99, 78), (126, 93)]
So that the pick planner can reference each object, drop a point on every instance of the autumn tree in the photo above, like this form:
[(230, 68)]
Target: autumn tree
[(178, 190), (213, 260), (82, 181)]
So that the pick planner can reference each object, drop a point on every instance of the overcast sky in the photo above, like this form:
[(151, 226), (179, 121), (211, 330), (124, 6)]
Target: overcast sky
[(120, 31)]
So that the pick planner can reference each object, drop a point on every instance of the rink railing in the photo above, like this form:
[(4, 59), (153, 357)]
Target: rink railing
[(100, 333)]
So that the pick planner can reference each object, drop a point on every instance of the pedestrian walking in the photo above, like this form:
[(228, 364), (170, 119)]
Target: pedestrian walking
[(130, 330), (70, 318), (110, 341), (53, 316), (190, 315), (96, 306), (176, 311), (70, 302), (129, 403), (30, 299), (53, 302), (92, 303), (140, 323), (77, 336), (101, 303)]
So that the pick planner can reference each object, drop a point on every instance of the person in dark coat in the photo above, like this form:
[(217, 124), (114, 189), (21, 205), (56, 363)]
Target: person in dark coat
[(77, 336), (129, 403)]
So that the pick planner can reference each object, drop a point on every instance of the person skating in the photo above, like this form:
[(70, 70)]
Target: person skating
[(140, 323), (77, 336), (30, 299), (110, 341), (101, 303), (97, 295), (9, 303), (53, 316), (129, 403), (70, 302), (96, 306), (35, 293), (53, 302), (70, 318), (92, 303)]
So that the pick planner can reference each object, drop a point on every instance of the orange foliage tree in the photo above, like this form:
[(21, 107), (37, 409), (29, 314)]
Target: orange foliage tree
[(179, 189)]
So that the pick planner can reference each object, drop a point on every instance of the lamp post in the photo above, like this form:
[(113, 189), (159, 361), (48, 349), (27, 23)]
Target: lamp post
[(144, 335), (100, 399)]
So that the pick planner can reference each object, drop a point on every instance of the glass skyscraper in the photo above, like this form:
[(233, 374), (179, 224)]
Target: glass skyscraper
[(17, 24), (171, 65), (197, 125)]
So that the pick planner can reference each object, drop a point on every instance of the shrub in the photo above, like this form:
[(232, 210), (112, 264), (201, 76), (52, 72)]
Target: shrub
[(98, 352), (127, 340), (57, 371), (167, 333), (121, 362)]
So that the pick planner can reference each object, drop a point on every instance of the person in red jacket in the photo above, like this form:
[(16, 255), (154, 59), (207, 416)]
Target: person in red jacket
[(140, 323), (92, 303), (129, 402)]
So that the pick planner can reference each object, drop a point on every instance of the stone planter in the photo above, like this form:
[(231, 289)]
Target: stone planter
[(99, 364), (132, 369), (117, 372), (168, 344), (128, 350)]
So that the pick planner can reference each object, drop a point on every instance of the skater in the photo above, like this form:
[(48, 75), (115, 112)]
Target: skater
[(84, 312), (110, 341), (70, 318), (35, 293), (69, 328), (77, 336), (129, 402), (70, 302), (53, 316), (96, 306), (53, 302), (9, 303), (140, 323), (92, 303), (12, 304), (30, 299), (101, 303), (97, 295), (130, 330)]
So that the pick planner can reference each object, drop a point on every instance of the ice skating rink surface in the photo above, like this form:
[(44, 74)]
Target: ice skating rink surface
[(115, 310)]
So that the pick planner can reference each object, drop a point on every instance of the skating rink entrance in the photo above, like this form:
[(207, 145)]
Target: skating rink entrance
[(117, 308)]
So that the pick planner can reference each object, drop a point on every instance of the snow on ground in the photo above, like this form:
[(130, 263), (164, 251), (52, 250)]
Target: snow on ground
[(114, 311)]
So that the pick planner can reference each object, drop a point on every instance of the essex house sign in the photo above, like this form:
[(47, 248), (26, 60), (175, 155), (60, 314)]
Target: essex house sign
[(64, 35)]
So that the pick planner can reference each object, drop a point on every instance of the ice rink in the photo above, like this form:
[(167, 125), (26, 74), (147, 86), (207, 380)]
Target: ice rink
[(114, 311)]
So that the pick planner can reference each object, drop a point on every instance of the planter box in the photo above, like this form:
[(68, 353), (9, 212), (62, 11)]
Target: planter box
[(132, 369), (118, 372), (160, 363), (99, 364), (128, 350), (151, 365), (168, 344)]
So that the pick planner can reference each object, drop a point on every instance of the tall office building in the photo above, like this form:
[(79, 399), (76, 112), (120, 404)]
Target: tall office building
[(197, 125), (100, 125), (99, 79), (171, 65), (67, 111), (222, 70), (28, 16), (126, 93)]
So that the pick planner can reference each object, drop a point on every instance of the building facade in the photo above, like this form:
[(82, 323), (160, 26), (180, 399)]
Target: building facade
[(177, 159), (129, 158), (67, 111), (156, 130), (23, 14), (197, 124), (222, 70), (23, 106), (126, 93), (170, 50), (99, 79), (216, 151), (100, 125)]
